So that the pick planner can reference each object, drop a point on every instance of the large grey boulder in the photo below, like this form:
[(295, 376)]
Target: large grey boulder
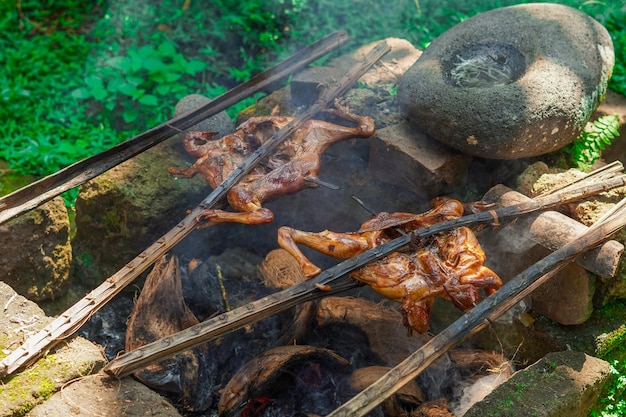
[(510, 83)]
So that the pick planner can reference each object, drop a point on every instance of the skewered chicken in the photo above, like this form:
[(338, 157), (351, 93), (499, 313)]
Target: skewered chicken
[(295, 164), (448, 265)]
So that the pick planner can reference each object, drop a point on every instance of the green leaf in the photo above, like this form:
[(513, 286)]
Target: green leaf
[(196, 66), (128, 89), (145, 51), (162, 89), (130, 115), (99, 92), (171, 77), (134, 80), (121, 63), (81, 93), (149, 100), (153, 64), (114, 84), (166, 49)]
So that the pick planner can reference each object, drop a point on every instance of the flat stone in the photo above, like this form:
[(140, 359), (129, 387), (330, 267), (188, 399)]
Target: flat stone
[(70, 360), (404, 156), (35, 251), (513, 82), (100, 395), (307, 84), (561, 384)]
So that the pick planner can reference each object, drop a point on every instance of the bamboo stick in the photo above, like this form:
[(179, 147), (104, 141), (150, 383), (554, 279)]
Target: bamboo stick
[(310, 289), (38, 192), (479, 317), (69, 321)]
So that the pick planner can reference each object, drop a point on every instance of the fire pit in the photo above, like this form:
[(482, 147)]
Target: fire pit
[(313, 356)]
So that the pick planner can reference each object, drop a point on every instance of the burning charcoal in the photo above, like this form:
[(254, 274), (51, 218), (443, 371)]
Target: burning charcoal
[(346, 340), (286, 381), (160, 311), (201, 291), (407, 397), (449, 265), (293, 166)]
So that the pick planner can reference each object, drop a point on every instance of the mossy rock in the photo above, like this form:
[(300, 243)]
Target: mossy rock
[(35, 251), (69, 360)]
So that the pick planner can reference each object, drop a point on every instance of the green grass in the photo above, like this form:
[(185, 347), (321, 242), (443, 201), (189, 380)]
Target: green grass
[(79, 77)]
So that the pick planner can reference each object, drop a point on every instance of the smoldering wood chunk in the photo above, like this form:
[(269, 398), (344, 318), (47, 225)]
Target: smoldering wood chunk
[(290, 379), (161, 311), (380, 323), (280, 270), (435, 408), (481, 361), (409, 395)]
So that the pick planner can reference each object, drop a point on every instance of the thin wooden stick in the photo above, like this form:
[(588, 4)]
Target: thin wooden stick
[(479, 317), (38, 192), (264, 307), (68, 322)]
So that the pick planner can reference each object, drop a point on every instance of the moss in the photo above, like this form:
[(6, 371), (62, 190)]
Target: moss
[(606, 342), (21, 393)]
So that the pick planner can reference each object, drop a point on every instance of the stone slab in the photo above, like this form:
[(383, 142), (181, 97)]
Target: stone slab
[(70, 360), (561, 384), (99, 395), (404, 156)]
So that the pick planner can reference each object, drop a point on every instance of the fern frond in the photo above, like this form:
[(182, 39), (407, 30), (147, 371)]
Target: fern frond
[(587, 148)]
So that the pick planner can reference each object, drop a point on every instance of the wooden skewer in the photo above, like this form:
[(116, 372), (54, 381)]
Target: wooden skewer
[(69, 321), (310, 289), (38, 192), (479, 317)]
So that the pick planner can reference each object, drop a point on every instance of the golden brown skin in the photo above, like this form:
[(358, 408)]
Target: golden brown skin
[(288, 170), (450, 266)]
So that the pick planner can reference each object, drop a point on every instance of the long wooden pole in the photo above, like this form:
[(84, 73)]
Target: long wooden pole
[(38, 192), (257, 310), (70, 320), (478, 318)]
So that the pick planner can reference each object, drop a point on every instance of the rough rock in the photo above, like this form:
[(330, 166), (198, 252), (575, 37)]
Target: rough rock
[(377, 98), (100, 395), (35, 251), (77, 357), (220, 123), (123, 211), (510, 83), (308, 83), (561, 384)]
